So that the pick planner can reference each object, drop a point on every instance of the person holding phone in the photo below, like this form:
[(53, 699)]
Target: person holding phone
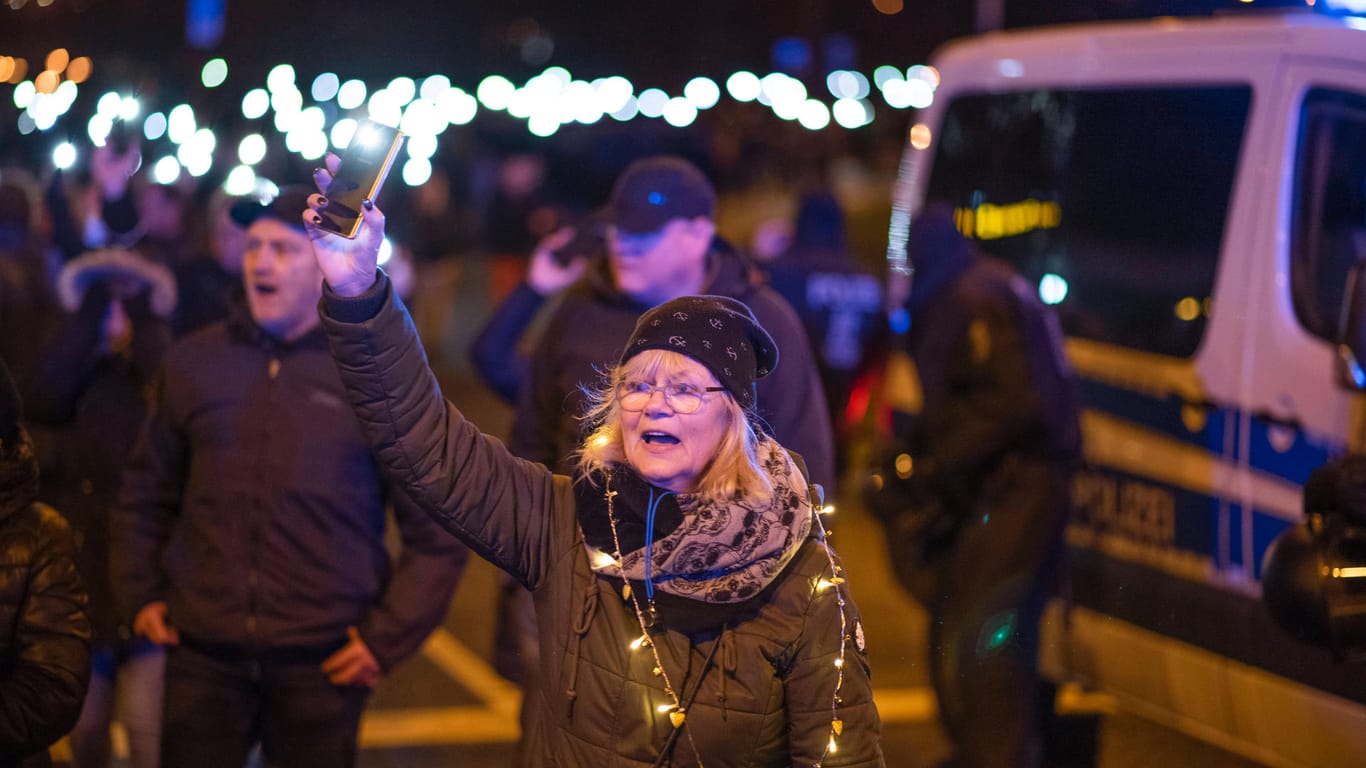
[(657, 241), (690, 610), (249, 533)]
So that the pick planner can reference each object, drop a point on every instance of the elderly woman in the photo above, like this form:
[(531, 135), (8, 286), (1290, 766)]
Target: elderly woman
[(690, 610)]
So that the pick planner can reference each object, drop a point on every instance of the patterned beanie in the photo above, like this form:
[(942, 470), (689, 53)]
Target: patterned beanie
[(716, 331)]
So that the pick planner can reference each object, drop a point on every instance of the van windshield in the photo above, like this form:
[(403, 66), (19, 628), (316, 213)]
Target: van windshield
[(1113, 202)]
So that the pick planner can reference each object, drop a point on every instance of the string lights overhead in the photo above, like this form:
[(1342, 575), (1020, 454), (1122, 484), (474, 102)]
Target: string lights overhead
[(319, 115)]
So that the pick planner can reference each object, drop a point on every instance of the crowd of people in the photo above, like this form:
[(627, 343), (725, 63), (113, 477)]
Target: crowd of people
[(229, 407)]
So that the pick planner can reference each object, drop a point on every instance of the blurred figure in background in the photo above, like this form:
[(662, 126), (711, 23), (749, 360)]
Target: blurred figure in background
[(519, 215), (976, 520), (249, 535), (28, 304), (207, 279), (44, 628), (94, 378), (839, 303)]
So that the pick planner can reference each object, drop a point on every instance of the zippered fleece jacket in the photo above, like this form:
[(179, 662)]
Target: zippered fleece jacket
[(766, 697), (253, 506)]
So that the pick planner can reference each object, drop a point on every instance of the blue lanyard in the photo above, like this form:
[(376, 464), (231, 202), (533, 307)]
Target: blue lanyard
[(649, 538)]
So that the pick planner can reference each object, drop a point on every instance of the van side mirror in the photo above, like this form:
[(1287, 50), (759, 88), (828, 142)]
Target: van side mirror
[(1350, 364)]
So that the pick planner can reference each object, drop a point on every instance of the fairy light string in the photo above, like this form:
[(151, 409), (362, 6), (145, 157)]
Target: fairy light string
[(835, 580), (677, 715)]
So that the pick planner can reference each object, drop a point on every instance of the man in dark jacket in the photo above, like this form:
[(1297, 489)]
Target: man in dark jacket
[(44, 628), (985, 496), (661, 244), (249, 536)]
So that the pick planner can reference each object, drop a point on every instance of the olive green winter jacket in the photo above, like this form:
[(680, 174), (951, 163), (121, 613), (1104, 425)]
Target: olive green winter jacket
[(767, 677)]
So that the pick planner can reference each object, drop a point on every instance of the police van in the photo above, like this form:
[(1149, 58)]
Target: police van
[(1189, 194)]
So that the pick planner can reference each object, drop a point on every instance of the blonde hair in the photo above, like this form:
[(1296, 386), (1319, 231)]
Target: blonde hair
[(733, 472)]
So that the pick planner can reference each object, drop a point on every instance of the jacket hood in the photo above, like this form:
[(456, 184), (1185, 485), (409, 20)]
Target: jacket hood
[(18, 476), (729, 273), (938, 253)]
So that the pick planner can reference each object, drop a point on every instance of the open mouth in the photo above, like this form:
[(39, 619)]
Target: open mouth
[(265, 290), (659, 438)]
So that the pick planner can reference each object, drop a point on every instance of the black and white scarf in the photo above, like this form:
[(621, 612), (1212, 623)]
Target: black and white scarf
[(719, 552)]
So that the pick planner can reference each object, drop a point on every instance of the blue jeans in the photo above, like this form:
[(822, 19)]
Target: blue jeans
[(127, 687), (220, 702)]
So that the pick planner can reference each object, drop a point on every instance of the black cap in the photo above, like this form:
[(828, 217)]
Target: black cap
[(653, 191), (287, 207), (716, 331)]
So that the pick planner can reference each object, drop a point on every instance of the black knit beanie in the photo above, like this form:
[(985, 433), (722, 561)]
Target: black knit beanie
[(716, 331)]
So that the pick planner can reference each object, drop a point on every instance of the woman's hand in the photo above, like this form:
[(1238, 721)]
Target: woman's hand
[(348, 265)]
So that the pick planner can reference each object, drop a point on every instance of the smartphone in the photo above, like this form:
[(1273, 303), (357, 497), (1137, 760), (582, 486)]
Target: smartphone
[(590, 238), (364, 165)]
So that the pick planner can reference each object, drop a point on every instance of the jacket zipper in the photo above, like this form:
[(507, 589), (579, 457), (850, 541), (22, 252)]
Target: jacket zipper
[(253, 569)]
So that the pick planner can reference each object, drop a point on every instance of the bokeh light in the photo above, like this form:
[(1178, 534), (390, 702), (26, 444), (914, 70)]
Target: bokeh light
[(325, 87), (166, 170), (214, 73), (154, 126), (58, 60), (351, 94), (251, 149), (920, 136), (78, 71), (1052, 289), (23, 94), (342, 133), (241, 181), (679, 112), (401, 90), (255, 103), (814, 115), (64, 155), (433, 87), (702, 92), (417, 171), (281, 77), (495, 92), (743, 86), (652, 102), (181, 124)]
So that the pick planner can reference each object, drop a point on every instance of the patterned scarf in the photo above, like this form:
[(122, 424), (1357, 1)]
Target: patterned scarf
[(706, 550)]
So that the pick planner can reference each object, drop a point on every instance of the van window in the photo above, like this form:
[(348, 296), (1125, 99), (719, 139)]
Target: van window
[(1113, 202), (1329, 222)]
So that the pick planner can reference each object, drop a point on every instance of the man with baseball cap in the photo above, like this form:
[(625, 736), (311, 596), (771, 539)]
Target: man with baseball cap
[(660, 244), (249, 533)]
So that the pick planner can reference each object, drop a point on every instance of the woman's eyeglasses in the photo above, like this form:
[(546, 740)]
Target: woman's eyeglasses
[(633, 395)]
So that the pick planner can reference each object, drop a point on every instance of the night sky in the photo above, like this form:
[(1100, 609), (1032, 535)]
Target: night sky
[(652, 43)]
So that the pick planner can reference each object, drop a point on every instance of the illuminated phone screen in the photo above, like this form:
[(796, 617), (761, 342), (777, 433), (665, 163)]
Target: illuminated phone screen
[(364, 165)]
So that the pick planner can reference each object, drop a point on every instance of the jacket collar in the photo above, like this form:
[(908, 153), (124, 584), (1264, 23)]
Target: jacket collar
[(729, 273)]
